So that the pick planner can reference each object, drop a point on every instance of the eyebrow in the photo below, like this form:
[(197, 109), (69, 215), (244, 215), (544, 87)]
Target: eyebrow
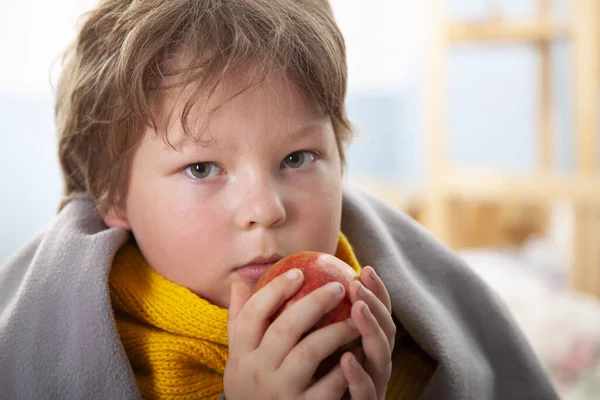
[(311, 129), (308, 130), (191, 142)]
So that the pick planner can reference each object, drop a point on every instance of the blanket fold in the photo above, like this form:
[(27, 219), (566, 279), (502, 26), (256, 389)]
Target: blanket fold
[(58, 337)]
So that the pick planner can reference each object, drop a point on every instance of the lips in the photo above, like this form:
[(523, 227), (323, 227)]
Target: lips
[(253, 272), (256, 268)]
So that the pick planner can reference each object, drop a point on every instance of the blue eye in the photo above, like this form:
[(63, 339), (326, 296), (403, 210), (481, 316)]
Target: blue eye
[(299, 159), (202, 170)]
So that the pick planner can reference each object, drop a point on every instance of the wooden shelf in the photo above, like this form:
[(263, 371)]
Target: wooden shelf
[(534, 188), (506, 32), (448, 184)]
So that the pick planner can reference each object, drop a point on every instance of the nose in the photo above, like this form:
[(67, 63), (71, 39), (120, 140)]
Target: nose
[(260, 204)]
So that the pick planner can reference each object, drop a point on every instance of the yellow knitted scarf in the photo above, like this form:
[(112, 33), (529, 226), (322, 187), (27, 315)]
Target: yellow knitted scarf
[(176, 342)]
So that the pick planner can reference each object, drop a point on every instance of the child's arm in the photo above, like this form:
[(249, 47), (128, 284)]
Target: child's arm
[(266, 360), (378, 331)]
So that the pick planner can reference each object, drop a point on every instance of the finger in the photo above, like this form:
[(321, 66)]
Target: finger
[(373, 282), (358, 292), (316, 348), (359, 353), (240, 293), (253, 318), (331, 386), (360, 384), (374, 343), (285, 332)]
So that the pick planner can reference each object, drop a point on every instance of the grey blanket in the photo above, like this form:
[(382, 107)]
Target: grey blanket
[(58, 338)]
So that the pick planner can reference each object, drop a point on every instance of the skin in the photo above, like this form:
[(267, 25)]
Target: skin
[(265, 178)]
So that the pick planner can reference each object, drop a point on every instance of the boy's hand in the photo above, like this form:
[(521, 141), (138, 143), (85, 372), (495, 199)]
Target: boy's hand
[(371, 312), (266, 360)]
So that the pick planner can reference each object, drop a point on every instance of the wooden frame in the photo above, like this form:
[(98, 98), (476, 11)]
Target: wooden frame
[(447, 183), (585, 274), (539, 30)]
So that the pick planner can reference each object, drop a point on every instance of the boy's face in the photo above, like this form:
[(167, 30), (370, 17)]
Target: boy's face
[(267, 184)]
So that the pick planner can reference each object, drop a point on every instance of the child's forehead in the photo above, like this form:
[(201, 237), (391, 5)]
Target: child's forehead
[(179, 141), (248, 76), (193, 117)]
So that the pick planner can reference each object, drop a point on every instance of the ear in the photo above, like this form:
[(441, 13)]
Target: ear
[(114, 219)]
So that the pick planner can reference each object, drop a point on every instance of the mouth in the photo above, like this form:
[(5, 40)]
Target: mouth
[(256, 268), (253, 272)]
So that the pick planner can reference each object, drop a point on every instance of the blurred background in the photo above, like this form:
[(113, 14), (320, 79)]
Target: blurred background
[(479, 118)]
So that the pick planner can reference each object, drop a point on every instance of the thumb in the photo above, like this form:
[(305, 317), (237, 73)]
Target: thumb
[(240, 293)]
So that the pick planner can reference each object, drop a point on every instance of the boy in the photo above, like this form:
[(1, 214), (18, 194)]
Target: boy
[(201, 141)]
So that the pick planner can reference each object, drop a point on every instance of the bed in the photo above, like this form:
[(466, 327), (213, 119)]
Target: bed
[(562, 326), (524, 253)]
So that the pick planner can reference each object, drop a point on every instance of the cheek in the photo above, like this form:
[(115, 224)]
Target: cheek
[(318, 215), (184, 221), (173, 219), (181, 239)]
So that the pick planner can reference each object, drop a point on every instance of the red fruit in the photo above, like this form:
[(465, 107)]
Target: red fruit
[(318, 269)]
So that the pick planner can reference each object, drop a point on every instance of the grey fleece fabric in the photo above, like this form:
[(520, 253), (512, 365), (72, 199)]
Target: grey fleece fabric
[(58, 338)]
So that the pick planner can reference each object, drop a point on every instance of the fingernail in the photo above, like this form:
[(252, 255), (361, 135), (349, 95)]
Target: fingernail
[(361, 290), (293, 274), (351, 324), (373, 274), (335, 287), (353, 361), (366, 312)]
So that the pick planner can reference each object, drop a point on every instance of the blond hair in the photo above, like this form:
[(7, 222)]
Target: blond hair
[(125, 49)]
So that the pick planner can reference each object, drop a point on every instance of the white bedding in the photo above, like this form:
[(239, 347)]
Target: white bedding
[(562, 326)]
